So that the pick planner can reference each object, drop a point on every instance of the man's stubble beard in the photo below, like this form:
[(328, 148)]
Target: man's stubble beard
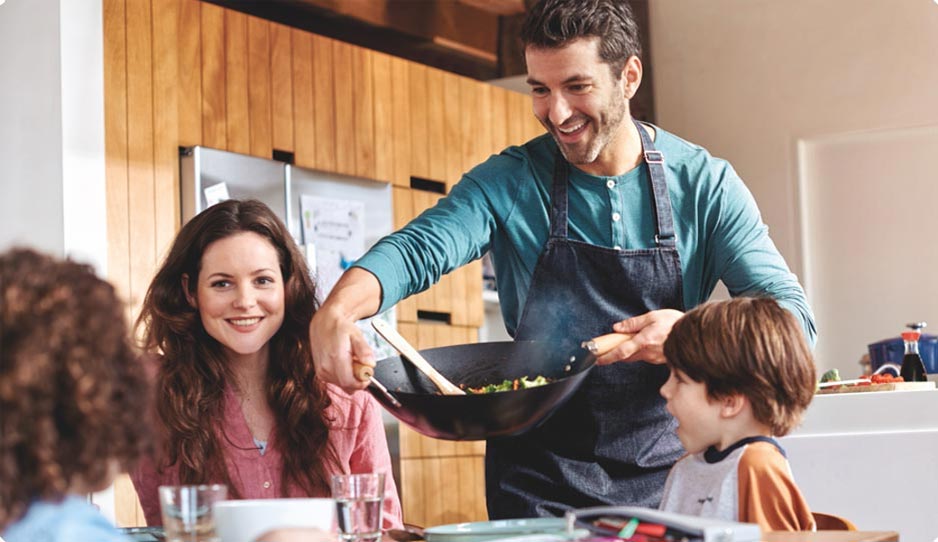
[(610, 120)]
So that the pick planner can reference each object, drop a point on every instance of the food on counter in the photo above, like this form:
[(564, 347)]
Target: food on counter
[(833, 382), (831, 376), (510, 385), (874, 382), (884, 378)]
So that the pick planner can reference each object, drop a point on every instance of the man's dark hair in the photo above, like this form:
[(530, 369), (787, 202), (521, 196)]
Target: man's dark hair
[(556, 23)]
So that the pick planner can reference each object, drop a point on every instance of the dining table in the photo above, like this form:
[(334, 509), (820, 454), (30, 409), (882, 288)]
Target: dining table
[(156, 534), (831, 536), (795, 536)]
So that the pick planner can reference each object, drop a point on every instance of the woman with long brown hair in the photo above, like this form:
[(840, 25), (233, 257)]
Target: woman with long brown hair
[(224, 324)]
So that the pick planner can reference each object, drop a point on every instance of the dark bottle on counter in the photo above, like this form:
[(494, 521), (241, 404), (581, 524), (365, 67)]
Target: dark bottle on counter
[(913, 370)]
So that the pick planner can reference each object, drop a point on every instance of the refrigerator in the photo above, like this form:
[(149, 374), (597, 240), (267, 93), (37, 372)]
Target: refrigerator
[(333, 218)]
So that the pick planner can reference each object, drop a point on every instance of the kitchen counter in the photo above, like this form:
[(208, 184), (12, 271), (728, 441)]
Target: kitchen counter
[(872, 458), (871, 411)]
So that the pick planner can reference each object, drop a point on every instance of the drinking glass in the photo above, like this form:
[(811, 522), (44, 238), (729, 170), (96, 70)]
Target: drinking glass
[(187, 512), (359, 499)]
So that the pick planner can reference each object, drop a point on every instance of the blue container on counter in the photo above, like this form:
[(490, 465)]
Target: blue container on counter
[(892, 351)]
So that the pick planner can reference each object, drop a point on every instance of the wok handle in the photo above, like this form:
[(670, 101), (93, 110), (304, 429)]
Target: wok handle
[(400, 343), (366, 373), (362, 372), (604, 344), (384, 391)]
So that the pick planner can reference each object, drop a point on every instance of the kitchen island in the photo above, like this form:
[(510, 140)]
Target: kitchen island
[(872, 458)]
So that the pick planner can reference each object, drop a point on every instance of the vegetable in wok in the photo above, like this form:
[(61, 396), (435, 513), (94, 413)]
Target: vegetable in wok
[(510, 385)]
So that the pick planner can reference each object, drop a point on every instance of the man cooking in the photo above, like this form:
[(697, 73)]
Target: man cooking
[(602, 224)]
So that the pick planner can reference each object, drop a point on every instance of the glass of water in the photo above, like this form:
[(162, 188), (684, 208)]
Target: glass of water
[(187, 512), (359, 499)]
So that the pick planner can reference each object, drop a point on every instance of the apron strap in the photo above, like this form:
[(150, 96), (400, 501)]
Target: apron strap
[(654, 159), (558, 197)]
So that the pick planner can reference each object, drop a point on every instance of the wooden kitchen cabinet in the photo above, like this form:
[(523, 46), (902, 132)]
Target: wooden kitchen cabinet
[(281, 88), (237, 102), (442, 481), (186, 72)]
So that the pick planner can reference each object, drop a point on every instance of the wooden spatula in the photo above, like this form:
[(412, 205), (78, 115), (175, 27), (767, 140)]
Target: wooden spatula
[(401, 345)]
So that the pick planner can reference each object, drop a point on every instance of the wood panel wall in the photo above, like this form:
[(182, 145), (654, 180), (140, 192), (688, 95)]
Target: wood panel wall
[(182, 72)]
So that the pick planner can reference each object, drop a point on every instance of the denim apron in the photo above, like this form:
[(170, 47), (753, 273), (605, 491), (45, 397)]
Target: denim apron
[(613, 441)]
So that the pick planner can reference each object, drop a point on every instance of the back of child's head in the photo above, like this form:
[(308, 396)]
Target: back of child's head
[(751, 347), (72, 393)]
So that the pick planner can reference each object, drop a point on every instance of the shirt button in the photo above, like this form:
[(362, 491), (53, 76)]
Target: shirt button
[(617, 247), (610, 184), (616, 217), (266, 485)]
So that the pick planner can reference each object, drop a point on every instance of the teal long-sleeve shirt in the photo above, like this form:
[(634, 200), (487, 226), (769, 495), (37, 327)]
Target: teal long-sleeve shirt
[(503, 205)]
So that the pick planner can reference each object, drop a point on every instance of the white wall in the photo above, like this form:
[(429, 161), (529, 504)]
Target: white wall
[(52, 129), (84, 197), (869, 211), (752, 80), (31, 127), (52, 186)]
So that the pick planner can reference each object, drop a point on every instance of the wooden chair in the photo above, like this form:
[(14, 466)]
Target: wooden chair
[(830, 522)]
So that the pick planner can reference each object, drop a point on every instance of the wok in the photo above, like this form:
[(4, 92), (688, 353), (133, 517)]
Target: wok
[(477, 417)]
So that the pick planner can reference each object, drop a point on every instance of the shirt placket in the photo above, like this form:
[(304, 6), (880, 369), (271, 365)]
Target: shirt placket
[(268, 482), (615, 214)]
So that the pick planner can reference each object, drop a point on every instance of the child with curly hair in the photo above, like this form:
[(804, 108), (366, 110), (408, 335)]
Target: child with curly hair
[(741, 375), (71, 398)]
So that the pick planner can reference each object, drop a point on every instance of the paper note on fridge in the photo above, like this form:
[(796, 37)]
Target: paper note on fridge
[(336, 228), (216, 193)]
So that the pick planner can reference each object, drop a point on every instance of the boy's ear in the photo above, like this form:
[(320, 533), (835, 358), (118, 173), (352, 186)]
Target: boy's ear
[(185, 290), (732, 405)]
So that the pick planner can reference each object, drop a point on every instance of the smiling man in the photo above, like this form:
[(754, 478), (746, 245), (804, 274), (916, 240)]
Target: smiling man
[(582, 104), (602, 224)]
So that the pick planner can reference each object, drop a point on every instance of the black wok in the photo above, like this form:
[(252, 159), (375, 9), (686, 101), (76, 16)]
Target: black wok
[(477, 417)]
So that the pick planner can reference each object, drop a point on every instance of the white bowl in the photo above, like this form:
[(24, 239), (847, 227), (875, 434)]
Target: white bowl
[(245, 520)]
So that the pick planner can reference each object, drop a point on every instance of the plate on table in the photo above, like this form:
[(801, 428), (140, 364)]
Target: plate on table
[(500, 529), (143, 534)]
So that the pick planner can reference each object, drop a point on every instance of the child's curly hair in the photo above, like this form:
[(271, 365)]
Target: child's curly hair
[(72, 393)]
